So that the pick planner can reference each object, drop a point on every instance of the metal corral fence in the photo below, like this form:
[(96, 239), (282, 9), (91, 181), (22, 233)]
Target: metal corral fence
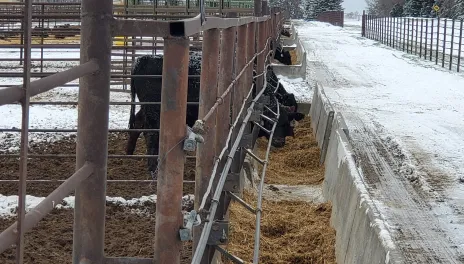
[(226, 91), (434, 39), (56, 29)]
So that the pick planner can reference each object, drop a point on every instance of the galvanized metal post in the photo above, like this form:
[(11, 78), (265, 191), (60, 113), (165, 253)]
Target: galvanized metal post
[(92, 132), (171, 166), (24, 131), (207, 150)]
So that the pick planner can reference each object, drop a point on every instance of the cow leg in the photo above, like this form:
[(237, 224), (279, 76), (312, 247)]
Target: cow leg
[(152, 143), (134, 135)]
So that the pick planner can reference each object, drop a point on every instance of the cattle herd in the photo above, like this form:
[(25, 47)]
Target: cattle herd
[(148, 89)]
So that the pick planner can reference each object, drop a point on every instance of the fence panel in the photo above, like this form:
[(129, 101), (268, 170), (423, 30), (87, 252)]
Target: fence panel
[(433, 39)]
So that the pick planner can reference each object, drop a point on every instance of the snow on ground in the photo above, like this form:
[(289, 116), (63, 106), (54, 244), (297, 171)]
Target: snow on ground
[(8, 204), (298, 86), (422, 106), (415, 109)]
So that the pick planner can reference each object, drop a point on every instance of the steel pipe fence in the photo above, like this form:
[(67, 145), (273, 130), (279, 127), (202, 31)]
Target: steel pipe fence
[(91, 155), (434, 39)]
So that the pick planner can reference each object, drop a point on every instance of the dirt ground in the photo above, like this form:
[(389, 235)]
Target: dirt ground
[(62, 168), (126, 235), (292, 232)]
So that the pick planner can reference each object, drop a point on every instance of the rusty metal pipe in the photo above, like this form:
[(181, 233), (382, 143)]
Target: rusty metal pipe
[(32, 218), (16, 93), (208, 94), (92, 136), (220, 100), (24, 133), (171, 167), (260, 61)]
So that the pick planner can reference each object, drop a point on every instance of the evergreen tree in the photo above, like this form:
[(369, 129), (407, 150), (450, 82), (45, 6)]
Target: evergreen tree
[(412, 8), (397, 11), (314, 7)]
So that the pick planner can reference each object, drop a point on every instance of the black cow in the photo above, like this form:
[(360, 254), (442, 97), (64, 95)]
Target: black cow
[(148, 117), (283, 56), (284, 98), (285, 32)]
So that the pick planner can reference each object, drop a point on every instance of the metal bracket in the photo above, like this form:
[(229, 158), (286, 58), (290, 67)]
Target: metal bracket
[(190, 143), (265, 99), (246, 141), (190, 220), (232, 183), (255, 116), (219, 234)]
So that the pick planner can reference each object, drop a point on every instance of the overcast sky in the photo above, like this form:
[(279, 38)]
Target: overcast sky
[(354, 5)]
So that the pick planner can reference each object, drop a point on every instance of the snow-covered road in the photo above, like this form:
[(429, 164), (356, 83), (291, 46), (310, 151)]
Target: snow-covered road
[(406, 119)]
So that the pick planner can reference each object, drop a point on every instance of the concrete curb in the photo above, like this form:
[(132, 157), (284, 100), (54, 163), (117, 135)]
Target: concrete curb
[(361, 233)]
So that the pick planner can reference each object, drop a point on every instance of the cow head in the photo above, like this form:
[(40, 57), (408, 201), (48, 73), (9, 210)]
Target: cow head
[(285, 127), (283, 56), (285, 124)]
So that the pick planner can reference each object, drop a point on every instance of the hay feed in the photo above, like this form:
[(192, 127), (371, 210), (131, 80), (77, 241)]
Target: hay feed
[(291, 232), (294, 57), (298, 162)]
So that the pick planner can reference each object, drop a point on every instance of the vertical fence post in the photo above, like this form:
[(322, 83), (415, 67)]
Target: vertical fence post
[(417, 34), (421, 35), (452, 46), (363, 24), (251, 49), (239, 94), (431, 41), (390, 27), (460, 47), (438, 41), (408, 44), (171, 166), (444, 44), (380, 21), (92, 132), (224, 121), (206, 151), (404, 33), (27, 22), (385, 31), (394, 32), (261, 42), (426, 36), (257, 8)]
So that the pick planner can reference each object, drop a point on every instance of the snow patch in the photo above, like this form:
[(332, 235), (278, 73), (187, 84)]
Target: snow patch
[(8, 204)]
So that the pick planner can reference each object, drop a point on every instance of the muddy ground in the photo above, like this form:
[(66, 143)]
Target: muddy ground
[(127, 234), (130, 231), (62, 168)]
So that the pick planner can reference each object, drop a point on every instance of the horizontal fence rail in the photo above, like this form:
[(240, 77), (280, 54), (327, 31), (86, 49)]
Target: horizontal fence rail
[(439, 40)]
